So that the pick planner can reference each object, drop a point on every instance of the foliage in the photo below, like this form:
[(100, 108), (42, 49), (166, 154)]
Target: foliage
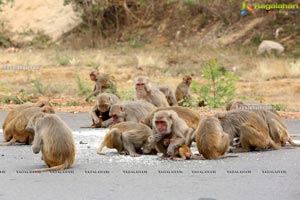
[(83, 89), (39, 86), (279, 107), (220, 88), (62, 60)]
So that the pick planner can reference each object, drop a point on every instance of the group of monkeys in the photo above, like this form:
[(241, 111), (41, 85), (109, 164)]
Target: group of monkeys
[(152, 123)]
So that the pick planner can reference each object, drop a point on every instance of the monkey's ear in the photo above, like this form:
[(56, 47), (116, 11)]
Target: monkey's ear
[(122, 108)]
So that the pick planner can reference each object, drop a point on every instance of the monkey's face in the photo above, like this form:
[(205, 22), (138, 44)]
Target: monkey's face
[(103, 107), (188, 80), (140, 87), (93, 77), (163, 126), (117, 112)]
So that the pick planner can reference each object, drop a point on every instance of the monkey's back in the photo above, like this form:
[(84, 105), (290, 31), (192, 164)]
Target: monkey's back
[(58, 143)]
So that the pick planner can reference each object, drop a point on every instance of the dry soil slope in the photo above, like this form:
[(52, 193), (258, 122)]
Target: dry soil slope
[(50, 17)]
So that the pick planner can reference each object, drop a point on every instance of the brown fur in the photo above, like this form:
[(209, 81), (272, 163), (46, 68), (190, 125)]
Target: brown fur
[(11, 114), (169, 93), (212, 142), (173, 127), (103, 83), (249, 127), (130, 111), (100, 112), (128, 137), (190, 117), (277, 128), (149, 92), (182, 91), (55, 139), (14, 127)]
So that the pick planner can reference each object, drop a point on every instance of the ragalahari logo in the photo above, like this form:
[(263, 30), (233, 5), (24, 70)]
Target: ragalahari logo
[(246, 8)]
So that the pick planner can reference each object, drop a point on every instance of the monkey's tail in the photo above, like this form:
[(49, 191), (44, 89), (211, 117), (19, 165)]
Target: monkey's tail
[(293, 143), (99, 150), (54, 168), (12, 141)]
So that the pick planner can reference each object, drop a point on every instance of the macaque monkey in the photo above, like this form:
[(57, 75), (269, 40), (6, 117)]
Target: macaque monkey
[(190, 117), (249, 127), (127, 138), (100, 112), (277, 128), (14, 128), (148, 92), (212, 141), (169, 94), (103, 83), (168, 125), (130, 111), (182, 91), (54, 138), (181, 153), (12, 114)]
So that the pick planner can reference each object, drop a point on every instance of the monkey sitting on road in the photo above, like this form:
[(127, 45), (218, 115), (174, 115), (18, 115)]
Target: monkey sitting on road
[(54, 138)]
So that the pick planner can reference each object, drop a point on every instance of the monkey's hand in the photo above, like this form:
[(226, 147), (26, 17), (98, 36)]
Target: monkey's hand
[(97, 120), (87, 99), (36, 149), (171, 149)]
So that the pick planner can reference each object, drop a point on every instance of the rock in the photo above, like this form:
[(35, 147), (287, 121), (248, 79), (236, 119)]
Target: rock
[(269, 46)]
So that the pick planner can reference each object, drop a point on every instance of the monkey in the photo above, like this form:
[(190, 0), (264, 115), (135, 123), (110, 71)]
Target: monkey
[(169, 93), (100, 112), (130, 111), (12, 114), (127, 137), (148, 92), (212, 142), (182, 91), (182, 152), (54, 138), (103, 83), (15, 129), (190, 117), (277, 128), (168, 125), (249, 127)]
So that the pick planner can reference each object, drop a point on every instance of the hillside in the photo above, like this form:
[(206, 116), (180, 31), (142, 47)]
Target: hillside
[(161, 39)]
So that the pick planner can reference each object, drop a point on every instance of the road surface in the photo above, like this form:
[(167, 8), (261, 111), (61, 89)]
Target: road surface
[(256, 175)]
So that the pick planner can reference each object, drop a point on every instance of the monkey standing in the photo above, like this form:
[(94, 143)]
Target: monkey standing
[(182, 91), (169, 93), (54, 138), (146, 91), (100, 112), (14, 128), (127, 138), (103, 83), (168, 126)]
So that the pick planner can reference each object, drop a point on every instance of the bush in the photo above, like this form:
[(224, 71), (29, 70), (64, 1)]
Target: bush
[(220, 88)]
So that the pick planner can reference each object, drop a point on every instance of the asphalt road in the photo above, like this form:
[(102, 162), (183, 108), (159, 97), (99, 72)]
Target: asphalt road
[(256, 175)]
